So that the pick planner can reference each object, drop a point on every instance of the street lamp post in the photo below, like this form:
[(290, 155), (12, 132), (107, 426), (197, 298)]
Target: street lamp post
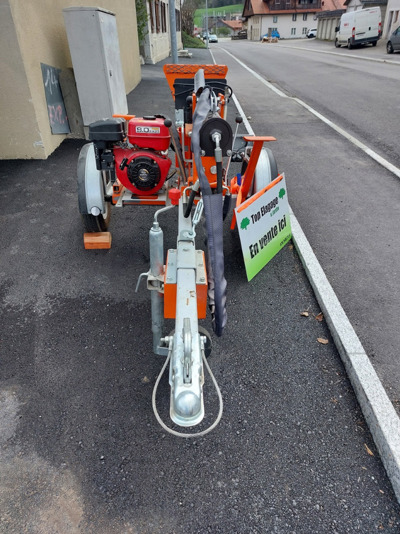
[(206, 23), (172, 25)]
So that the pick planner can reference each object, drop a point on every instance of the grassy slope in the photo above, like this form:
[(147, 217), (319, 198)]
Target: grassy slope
[(198, 17)]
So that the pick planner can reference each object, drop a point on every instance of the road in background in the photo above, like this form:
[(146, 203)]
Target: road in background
[(346, 203)]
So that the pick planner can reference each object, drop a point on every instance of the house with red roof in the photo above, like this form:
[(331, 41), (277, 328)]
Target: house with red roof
[(234, 25), (290, 18)]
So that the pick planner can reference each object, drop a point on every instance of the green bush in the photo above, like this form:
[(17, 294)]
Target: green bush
[(192, 42)]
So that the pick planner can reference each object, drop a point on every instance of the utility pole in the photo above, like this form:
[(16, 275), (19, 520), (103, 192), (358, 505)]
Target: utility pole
[(172, 31), (206, 23)]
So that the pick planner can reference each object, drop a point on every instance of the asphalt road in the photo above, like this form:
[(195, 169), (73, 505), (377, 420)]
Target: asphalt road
[(346, 203), (81, 451)]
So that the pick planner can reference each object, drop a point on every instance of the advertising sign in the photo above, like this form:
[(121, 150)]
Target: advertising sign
[(264, 225)]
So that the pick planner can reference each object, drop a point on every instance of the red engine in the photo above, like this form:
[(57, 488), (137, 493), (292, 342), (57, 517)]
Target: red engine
[(144, 168)]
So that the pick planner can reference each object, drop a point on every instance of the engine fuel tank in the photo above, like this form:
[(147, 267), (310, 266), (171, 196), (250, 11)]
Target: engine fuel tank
[(149, 132)]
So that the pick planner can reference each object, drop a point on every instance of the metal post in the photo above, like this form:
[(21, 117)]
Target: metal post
[(206, 23), (156, 241), (172, 31)]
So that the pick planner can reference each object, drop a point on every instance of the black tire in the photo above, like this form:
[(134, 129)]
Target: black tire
[(349, 45), (97, 223), (374, 43), (337, 45), (389, 48)]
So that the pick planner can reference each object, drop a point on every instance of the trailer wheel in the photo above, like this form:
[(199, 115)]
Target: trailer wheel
[(266, 170), (99, 223), (92, 192)]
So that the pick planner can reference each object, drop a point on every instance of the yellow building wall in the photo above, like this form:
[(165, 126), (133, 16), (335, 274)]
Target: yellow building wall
[(32, 33)]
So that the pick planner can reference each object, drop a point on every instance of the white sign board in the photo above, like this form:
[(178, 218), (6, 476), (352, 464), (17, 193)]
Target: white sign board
[(264, 225)]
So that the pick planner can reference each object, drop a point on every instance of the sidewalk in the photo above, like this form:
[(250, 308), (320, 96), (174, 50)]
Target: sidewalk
[(80, 449)]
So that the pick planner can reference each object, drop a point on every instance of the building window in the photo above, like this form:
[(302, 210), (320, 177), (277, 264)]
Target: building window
[(294, 17), (163, 18), (178, 20), (275, 19), (304, 31), (293, 31), (304, 16), (157, 17), (151, 10)]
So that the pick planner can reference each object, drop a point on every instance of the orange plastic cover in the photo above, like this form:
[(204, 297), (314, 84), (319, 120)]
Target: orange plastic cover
[(173, 71)]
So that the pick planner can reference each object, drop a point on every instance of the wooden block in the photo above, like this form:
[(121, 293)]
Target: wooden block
[(97, 240)]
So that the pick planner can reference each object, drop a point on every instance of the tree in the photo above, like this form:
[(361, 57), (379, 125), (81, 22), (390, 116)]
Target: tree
[(187, 15), (141, 19)]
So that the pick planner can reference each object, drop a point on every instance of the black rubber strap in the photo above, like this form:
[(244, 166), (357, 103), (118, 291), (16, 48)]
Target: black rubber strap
[(214, 223)]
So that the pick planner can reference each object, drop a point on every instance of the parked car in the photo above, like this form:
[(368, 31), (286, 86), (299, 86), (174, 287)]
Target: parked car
[(393, 43), (212, 38), (312, 33)]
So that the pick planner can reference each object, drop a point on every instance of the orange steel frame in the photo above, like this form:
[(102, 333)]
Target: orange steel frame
[(188, 71)]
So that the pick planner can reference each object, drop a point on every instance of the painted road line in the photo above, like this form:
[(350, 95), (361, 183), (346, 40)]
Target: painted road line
[(379, 413), (359, 144)]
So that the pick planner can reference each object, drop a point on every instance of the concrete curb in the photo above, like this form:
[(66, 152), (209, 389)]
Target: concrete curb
[(381, 417), (351, 56)]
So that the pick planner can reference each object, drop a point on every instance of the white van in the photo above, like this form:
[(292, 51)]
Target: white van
[(359, 28)]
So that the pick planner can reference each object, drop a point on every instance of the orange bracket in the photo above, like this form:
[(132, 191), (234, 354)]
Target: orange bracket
[(170, 285), (247, 178), (126, 117)]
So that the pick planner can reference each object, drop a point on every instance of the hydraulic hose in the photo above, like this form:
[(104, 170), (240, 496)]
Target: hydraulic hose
[(219, 177), (192, 196)]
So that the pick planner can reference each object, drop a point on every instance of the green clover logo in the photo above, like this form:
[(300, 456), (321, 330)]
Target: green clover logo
[(245, 223)]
